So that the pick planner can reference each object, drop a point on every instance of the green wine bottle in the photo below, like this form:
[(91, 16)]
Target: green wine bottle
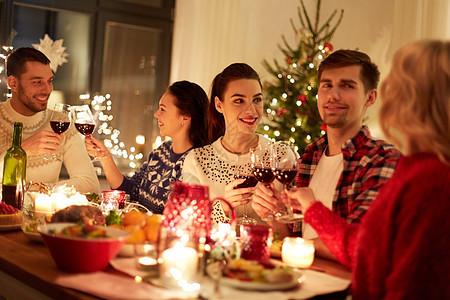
[(14, 170)]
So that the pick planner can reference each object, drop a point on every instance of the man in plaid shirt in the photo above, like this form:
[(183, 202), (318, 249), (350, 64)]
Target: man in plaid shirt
[(346, 167)]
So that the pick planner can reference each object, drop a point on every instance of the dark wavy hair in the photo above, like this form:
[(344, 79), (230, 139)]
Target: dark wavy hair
[(15, 62), (192, 100), (236, 71), (370, 75)]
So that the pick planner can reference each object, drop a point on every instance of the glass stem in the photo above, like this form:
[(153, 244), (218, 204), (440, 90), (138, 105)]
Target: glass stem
[(289, 207), (244, 214)]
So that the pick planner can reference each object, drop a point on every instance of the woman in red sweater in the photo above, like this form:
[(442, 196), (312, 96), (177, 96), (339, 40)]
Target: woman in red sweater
[(401, 249)]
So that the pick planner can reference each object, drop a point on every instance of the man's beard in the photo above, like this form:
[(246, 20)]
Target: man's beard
[(337, 123), (28, 102)]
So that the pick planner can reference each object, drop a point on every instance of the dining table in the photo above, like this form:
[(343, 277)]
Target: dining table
[(27, 271)]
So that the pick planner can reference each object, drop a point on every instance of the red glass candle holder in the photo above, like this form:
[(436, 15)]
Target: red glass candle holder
[(113, 200), (256, 240)]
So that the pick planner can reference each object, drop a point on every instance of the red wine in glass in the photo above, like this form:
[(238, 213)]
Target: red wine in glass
[(85, 129), (264, 175), (250, 181), (59, 127), (285, 176)]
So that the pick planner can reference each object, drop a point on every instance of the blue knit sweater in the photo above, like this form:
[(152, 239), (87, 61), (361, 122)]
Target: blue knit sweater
[(151, 185)]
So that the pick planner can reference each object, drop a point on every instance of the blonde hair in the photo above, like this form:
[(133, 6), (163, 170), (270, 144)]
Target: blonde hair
[(416, 97)]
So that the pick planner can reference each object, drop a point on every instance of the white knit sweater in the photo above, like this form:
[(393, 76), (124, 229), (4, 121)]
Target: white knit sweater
[(71, 150), (212, 165)]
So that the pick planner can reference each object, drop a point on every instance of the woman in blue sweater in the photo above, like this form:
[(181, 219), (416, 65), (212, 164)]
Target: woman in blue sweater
[(182, 116)]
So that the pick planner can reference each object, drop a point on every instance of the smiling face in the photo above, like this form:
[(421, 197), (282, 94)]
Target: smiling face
[(31, 90), (169, 119), (242, 106), (341, 98)]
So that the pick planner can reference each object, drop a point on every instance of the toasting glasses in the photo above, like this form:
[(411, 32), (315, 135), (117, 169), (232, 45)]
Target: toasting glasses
[(261, 163), (59, 122), (285, 168), (84, 121)]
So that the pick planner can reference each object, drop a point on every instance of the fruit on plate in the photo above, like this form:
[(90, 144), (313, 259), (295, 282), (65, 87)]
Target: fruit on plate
[(9, 215), (141, 226), (250, 270)]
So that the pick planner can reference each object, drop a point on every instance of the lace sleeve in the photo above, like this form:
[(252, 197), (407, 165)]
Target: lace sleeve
[(217, 214)]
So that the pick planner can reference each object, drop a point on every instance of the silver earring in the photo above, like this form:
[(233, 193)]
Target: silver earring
[(182, 123)]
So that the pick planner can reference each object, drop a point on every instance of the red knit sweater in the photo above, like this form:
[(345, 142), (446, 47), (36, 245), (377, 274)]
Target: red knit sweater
[(401, 249)]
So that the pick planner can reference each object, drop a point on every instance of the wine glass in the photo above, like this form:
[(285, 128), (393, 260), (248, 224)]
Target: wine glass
[(59, 122), (242, 169), (222, 246), (261, 163), (84, 121), (285, 168)]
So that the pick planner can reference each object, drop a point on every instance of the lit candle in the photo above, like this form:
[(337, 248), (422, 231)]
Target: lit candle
[(43, 204), (146, 257), (179, 264), (297, 252), (60, 201), (78, 199)]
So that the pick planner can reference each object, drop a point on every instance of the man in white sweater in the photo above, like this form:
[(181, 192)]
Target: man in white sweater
[(31, 81)]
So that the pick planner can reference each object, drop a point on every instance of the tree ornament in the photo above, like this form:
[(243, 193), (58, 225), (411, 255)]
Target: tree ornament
[(54, 51)]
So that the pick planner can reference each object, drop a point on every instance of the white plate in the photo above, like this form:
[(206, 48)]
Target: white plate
[(34, 236), (10, 227), (264, 286)]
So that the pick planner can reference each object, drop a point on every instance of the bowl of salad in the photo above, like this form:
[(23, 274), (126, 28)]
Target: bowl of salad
[(82, 248)]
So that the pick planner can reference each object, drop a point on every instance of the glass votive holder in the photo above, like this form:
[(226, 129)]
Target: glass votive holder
[(256, 240), (112, 200), (146, 257), (297, 252)]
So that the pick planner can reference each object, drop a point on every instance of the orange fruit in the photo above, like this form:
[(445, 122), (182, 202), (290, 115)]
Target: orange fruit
[(133, 217), (152, 231), (137, 234)]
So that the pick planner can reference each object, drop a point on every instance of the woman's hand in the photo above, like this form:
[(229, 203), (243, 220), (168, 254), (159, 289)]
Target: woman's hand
[(240, 196), (266, 200), (95, 147), (300, 198)]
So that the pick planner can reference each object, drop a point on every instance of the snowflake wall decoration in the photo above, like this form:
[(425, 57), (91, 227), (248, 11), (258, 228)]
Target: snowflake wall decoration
[(53, 50)]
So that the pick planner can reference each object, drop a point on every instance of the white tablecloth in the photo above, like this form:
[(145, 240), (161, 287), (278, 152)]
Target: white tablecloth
[(111, 286)]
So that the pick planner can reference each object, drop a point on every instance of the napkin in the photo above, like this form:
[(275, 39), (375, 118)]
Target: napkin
[(111, 286)]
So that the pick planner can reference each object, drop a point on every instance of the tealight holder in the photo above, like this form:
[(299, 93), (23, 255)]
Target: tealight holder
[(146, 258), (179, 261), (297, 252)]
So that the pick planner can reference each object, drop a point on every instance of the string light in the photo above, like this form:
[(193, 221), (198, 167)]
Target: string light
[(102, 105)]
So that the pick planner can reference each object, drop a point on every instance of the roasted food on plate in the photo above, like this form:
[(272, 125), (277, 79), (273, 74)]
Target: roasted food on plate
[(249, 270), (79, 214)]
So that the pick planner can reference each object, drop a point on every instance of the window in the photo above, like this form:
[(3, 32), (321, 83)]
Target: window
[(120, 47)]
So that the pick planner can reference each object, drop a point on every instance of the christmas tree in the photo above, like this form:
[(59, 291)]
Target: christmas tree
[(291, 97)]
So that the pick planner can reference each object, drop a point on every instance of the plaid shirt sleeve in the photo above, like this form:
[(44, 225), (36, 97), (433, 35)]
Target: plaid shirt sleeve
[(371, 174)]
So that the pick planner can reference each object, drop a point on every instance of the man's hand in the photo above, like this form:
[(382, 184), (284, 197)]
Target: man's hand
[(42, 142), (266, 200), (300, 198)]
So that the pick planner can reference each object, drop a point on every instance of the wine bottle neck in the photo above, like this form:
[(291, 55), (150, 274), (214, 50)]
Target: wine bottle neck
[(17, 136)]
